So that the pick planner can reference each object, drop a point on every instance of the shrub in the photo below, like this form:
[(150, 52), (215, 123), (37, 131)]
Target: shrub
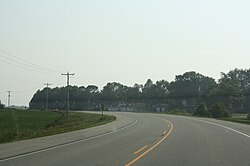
[(219, 110), (7, 136), (1, 106), (177, 111), (201, 111)]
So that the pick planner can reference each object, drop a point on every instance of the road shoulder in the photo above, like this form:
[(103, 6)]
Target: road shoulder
[(38, 144)]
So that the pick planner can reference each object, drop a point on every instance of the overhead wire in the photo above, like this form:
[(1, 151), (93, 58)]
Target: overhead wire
[(16, 79), (21, 63), (23, 67), (26, 63), (15, 61), (26, 91)]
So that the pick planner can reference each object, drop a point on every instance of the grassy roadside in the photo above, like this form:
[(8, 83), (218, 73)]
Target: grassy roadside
[(19, 124), (237, 120)]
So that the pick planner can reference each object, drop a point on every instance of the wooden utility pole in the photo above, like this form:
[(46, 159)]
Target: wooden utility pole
[(47, 95), (68, 74)]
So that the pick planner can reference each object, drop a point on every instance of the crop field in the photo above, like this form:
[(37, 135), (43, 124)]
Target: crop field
[(25, 124)]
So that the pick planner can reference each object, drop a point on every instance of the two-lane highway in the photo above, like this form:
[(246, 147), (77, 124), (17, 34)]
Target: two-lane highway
[(145, 139)]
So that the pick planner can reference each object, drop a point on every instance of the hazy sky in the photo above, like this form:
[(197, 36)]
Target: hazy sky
[(127, 41)]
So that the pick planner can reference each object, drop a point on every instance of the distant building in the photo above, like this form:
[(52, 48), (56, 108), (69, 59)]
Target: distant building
[(139, 107), (19, 107), (128, 107), (160, 107), (125, 107)]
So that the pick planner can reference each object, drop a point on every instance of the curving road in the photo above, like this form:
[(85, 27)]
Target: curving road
[(138, 139)]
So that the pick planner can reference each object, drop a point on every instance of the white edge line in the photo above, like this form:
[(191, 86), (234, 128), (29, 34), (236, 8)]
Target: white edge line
[(236, 131), (67, 144)]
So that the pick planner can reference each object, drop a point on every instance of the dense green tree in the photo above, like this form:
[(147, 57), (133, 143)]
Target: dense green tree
[(186, 92), (191, 84), (201, 111), (232, 90), (147, 88), (92, 89), (218, 110), (189, 89), (159, 90), (135, 92), (114, 91), (1, 106)]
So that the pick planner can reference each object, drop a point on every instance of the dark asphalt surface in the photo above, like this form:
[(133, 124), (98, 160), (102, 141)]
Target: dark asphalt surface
[(189, 142)]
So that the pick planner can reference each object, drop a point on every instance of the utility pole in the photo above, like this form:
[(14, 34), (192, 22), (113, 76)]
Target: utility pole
[(47, 95), (68, 74), (8, 98)]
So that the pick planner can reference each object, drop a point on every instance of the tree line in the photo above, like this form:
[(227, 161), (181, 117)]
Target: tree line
[(191, 91)]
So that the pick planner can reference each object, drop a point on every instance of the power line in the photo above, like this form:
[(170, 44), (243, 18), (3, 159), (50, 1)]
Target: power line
[(68, 74), (57, 80), (25, 67), (12, 78), (20, 63), (27, 63), (25, 91)]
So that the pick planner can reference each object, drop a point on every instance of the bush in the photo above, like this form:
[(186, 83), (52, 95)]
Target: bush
[(201, 111), (7, 136), (1, 106), (219, 110), (177, 111)]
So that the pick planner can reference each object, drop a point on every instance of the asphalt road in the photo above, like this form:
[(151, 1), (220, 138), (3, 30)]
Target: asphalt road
[(138, 139)]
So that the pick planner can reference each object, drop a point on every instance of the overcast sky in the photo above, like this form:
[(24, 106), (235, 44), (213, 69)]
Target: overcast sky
[(127, 41)]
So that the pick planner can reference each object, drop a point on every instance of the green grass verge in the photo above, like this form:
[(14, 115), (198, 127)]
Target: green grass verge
[(237, 120), (19, 124)]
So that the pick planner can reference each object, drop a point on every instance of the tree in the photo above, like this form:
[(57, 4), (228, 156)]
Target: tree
[(231, 90), (114, 91), (246, 91), (91, 89), (147, 89), (219, 110), (189, 89), (1, 106), (201, 111), (58, 98), (135, 92), (161, 88), (157, 90)]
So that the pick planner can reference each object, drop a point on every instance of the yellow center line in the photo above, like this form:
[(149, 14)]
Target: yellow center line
[(141, 149), (151, 148)]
